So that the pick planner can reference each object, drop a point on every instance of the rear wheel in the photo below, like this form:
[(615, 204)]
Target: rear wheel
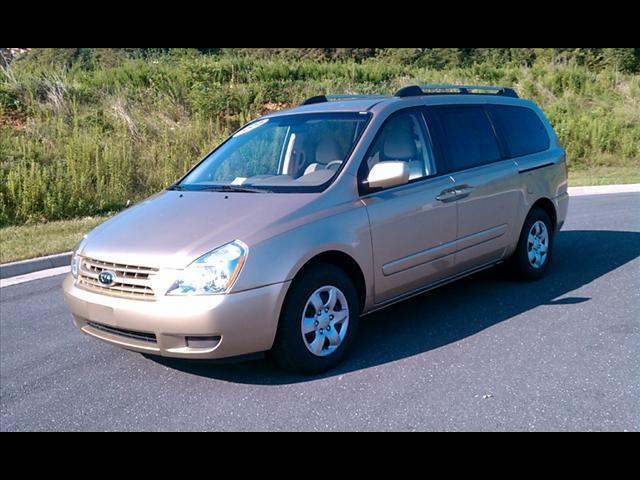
[(318, 321), (532, 257)]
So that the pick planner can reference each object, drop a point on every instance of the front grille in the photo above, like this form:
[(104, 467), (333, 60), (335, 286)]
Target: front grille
[(129, 281), (121, 271), (116, 289), (141, 336)]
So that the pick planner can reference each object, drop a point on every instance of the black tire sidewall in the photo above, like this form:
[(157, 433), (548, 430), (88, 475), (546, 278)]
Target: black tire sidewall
[(289, 350), (520, 260)]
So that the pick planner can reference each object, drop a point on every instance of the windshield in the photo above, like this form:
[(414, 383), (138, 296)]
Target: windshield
[(291, 153)]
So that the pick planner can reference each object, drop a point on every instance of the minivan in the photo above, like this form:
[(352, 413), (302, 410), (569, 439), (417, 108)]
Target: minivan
[(306, 219)]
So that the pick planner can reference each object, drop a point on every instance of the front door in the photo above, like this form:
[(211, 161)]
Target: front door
[(413, 227)]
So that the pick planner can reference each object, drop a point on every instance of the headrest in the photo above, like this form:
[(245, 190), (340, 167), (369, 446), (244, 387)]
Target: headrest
[(399, 143), (327, 151)]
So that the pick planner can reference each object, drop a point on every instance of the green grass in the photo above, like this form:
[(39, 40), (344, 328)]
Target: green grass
[(87, 141), (605, 176), (29, 241)]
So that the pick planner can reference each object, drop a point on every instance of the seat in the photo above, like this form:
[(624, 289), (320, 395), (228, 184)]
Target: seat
[(328, 150), (400, 145)]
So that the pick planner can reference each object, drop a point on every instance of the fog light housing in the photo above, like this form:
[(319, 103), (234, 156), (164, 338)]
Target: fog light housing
[(203, 342)]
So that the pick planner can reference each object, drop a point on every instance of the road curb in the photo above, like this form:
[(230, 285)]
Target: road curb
[(604, 189), (23, 267)]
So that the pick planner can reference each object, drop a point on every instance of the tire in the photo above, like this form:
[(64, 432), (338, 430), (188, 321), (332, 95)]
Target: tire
[(292, 350), (522, 268)]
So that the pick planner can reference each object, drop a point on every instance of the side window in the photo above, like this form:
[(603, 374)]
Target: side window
[(401, 138), (466, 136), (521, 129)]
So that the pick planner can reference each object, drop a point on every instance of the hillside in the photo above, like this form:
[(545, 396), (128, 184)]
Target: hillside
[(87, 131)]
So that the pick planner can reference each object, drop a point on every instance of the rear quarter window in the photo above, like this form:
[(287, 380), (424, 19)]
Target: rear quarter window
[(520, 128)]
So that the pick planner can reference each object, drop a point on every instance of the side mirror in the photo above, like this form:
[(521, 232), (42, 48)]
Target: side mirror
[(388, 174)]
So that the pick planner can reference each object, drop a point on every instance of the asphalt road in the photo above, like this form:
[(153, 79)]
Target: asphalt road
[(482, 354)]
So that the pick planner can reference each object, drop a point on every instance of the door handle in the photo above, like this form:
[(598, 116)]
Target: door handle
[(447, 195), (455, 193), (463, 191)]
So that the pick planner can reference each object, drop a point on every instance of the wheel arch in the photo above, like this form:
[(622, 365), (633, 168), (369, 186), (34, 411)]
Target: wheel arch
[(345, 262), (549, 208)]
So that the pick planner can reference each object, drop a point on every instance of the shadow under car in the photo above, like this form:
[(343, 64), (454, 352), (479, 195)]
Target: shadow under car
[(453, 312)]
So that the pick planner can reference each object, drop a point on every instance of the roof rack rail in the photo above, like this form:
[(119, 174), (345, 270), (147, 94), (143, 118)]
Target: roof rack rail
[(417, 90), (346, 96)]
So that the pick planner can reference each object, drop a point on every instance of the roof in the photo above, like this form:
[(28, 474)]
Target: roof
[(361, 105), (409, 96)]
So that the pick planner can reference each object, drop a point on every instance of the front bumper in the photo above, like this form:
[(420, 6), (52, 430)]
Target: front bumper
[(200, 327)]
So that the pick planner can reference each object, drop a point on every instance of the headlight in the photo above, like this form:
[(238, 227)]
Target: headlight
[(212, 273), (74, 265), (75, 258)]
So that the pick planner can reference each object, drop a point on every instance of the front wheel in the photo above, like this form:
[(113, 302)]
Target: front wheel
[(532, 257), (318, 321)]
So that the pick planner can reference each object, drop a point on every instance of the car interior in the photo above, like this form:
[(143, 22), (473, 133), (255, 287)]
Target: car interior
[(402, 139)]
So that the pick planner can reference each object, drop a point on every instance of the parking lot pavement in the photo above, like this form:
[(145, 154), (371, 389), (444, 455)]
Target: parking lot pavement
[(484, 353)]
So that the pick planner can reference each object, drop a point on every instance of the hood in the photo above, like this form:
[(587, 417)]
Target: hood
[(172, 228)]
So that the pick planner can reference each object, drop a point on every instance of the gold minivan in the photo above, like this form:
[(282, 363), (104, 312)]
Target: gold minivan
[(306, 219)]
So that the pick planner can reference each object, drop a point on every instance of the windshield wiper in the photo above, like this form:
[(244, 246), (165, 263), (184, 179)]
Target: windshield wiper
[(233, 188), (177, 187)]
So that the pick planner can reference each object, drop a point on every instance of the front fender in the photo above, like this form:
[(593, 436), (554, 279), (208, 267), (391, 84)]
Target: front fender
[(280, 257)]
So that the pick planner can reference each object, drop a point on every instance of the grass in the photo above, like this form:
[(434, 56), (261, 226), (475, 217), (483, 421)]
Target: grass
[(605, 176), (87, 141), (29, 241)]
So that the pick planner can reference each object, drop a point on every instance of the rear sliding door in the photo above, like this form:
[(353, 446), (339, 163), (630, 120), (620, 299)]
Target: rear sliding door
[(486, 182)]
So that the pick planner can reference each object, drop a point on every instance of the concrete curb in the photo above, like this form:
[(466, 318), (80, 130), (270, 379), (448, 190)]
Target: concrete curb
[(604, 189), (23, 267), (29, 277)]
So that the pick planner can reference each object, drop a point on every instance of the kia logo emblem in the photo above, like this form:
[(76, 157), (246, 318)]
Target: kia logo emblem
[(106, 278)]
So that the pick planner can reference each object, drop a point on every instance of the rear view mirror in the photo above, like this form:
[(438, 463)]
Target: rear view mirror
[(388, 174)]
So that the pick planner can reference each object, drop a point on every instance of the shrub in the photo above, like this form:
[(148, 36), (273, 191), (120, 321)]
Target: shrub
[(85, 131)]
